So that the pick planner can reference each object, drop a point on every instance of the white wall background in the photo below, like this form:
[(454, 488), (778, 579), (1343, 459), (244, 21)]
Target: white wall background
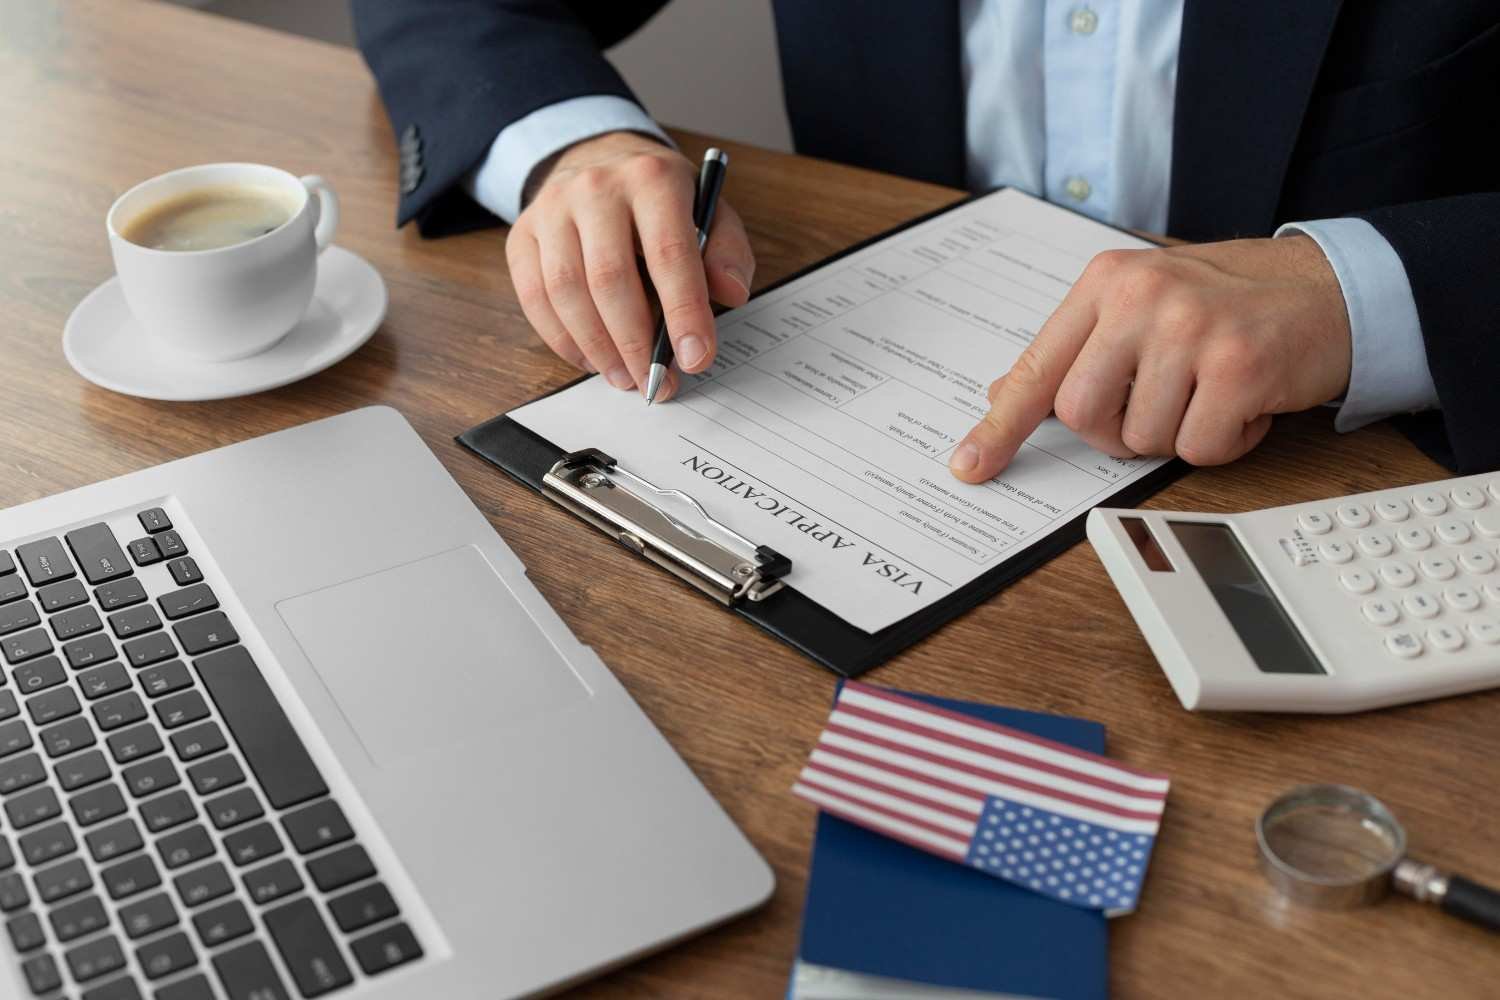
[(706, 65)]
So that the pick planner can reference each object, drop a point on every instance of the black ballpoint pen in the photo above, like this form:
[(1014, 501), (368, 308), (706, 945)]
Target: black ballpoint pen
[(710, 183)]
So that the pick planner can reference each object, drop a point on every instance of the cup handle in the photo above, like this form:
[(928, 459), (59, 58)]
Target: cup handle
[(328, 210)]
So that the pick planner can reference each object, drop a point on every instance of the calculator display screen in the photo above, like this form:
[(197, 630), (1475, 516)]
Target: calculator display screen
[(1273, 640)]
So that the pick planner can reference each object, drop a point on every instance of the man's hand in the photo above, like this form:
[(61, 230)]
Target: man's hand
[(573, 258), (1181, 351)]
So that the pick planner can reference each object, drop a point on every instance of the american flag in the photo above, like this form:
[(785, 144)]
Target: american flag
[(1058, 820)]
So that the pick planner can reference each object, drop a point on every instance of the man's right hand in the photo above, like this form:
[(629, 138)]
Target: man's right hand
[(573, 258)]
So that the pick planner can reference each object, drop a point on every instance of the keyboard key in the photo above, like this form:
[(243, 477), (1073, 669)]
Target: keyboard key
[(123, 988), (7, 858), (17, 773), (61, 881), (105, 680), (30, 808), (1421, 605), (1462, 598), (62, 595), (167, 811), (1445, 638), (45, 561), (98, 553), (1436, 567), (73, 920), (134, 621), (148, 649), (39, 675), (131, 876), (18, 615), (42, 974), (171, 544), (11, 588), (1414, 537), (50, 706), (223, 923), (343, 867), (191, 988), (120, 710), (307, 948), (1315, 522), (153, 520), (253, 843), (165, 678), (1487, 524), (1486, 630), (1336, 551), (114, 841), (1404, 644), (26, 933), (151, 776), (1398, 574), (268, 884), (1468, 497), (185, 846), (385, 949), (72, 624), (246, 973), (1430, 502), (364, 906), (205, 632), (1353, 515), (87, 652), (198, 741), (166, 955), (95, 958), (13, 894), (98, 804), (233, 808), (8, 706), (25, 645), (265, 736), (188, 601), (67, 737), (215, 775), (1477, 560), (1392, 510), (317, 826), (82, 771), (7, 564), (148, 916), (133, 744), (1454, 532), (184, 571), (41, 846), (145, 552), (202, 885), (120, 594), (181, 709), (14, 737)]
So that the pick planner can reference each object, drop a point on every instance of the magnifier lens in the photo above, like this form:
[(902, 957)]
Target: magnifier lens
[(1330, 845)]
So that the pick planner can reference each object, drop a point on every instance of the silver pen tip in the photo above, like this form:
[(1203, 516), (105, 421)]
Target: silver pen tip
[(654, 379)]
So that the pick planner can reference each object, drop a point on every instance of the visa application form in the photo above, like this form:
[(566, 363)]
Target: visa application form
[(824, 426)]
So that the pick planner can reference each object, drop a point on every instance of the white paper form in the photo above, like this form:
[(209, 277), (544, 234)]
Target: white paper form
[(823, 428)]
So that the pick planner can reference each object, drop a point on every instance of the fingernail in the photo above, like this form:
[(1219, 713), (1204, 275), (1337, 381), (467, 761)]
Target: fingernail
[(965, 458), (620, 378), (690, 351), (738, 277)]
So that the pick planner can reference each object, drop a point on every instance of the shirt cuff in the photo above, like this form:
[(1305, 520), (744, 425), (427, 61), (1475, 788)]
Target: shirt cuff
[(1388, 373), (500, 181)]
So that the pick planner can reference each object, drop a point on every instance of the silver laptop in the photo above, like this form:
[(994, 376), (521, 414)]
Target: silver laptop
[(288, 719)]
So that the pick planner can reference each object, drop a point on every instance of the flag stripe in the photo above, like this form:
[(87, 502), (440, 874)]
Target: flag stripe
[(948, 847), (990, 734), (924, 797), (888, 776), (889, 803)]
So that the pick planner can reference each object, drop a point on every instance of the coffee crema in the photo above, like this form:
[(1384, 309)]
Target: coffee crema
[(209, 218)]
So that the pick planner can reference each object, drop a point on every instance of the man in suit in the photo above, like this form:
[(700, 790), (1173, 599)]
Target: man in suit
[(1326, 154)]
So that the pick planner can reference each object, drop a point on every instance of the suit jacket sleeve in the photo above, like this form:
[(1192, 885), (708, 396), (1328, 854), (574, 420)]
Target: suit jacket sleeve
[(454, 73), (1449, 247)]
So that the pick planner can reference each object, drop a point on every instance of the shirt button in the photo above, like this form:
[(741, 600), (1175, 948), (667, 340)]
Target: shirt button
[(1078, 189), (1083, 21)]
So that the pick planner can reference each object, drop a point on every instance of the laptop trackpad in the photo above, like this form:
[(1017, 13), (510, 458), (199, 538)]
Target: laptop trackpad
[(429, 654)]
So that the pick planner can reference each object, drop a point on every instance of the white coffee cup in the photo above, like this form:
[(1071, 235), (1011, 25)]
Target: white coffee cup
[(230, 302)]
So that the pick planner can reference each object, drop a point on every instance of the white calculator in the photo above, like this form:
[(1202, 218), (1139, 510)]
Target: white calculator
[(1332, 606)]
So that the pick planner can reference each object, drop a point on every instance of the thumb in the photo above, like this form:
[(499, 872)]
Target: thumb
[(728, 259)]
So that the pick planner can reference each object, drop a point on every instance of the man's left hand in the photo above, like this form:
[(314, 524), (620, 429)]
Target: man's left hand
[(1182, 351)]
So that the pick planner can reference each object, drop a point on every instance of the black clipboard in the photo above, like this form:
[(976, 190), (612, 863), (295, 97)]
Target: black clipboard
[(787, 614)]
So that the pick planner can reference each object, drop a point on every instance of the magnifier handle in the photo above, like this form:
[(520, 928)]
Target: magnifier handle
[(1478, 904)]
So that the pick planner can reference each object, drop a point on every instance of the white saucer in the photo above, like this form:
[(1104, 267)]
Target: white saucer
[(105, 344)]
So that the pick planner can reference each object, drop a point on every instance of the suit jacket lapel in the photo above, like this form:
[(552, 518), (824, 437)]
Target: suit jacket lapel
[(1245, 73)]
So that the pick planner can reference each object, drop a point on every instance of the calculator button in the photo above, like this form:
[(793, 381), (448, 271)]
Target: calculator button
[(1492, 591), (1477, 560), (1437, 567), (1336, 552), (1404, 644), (1358, 581), (1462, 598), (1398, 574), (1468, 497), (1353, 515), (1394, 510), (1414, 537), (1375, 544), (1421, 605), (1487, 524), (1430, 503), (1446, 638), (1486, 630), (1454, 532), (1315, 522), (1380, 612)]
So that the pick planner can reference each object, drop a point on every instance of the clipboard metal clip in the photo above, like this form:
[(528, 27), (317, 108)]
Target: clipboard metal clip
[(668, 527)]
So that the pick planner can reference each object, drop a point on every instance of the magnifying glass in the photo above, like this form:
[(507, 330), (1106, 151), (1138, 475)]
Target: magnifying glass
[(1336, 847)]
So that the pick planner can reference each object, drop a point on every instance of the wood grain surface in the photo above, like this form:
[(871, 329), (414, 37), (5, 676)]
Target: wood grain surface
[(95, 96)]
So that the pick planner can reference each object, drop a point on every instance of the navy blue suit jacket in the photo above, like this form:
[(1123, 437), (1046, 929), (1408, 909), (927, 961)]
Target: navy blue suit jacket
[(1285, 110)]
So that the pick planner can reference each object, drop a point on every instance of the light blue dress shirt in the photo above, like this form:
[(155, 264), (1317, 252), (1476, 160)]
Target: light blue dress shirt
[(1071, 100)]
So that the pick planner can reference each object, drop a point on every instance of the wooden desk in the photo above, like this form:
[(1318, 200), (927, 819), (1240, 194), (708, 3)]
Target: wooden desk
[(95, 96)]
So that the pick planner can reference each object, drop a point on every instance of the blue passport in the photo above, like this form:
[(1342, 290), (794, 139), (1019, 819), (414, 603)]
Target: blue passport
[(876, 907)]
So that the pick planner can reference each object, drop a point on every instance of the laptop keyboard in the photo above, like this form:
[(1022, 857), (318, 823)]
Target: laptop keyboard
[(165, 832)]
